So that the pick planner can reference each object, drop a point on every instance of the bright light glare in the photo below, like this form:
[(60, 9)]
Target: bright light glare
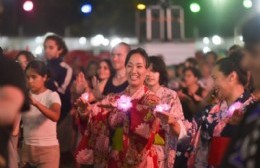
[(141, 6), (194, 7), (87, 8), (97, 40), (247, 3), (115, 41), (28, 6), (206, 40), (206, 49), (82, 40), (38, 50), (216, 40), (105, 42), (38, 39)]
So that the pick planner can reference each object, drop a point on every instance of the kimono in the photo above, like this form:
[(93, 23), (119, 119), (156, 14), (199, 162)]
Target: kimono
[(139, 127), (165, 140), (211, 125), (244, 149)]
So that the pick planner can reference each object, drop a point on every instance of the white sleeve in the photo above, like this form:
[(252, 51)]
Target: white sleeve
[(54, 98), (62, 89)]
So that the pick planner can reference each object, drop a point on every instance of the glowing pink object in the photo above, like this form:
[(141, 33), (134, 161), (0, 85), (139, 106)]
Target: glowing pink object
[(233, 108), (85, 96), (28, 6), (124, 103), (162, 108)]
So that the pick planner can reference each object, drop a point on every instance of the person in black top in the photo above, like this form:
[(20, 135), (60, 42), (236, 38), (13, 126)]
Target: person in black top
[(118, 82), (244, 149), (192, 94), (60, 81), (61, 73)]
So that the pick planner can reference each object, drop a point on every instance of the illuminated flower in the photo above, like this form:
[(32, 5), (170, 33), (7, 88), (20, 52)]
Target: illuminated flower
[(85, 96), (233, 108), (162, 108), (124, 103)]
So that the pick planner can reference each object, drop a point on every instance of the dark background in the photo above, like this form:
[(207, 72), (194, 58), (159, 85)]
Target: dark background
[(114, 17)]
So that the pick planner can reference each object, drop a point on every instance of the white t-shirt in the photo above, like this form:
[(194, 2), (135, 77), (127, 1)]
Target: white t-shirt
[(38, 129)]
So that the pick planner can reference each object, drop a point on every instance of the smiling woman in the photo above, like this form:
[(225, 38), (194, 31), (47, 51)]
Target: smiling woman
[(216, 124), (137, 63), (133, 128)]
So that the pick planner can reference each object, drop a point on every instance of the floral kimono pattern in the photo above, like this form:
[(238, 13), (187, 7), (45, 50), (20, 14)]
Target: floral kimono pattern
[(138, 125), (212, 122), (166, 151), (93, 148), (139, 129)]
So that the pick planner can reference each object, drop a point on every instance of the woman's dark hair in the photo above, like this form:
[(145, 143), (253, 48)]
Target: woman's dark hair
[(108, 62), (140, 51), (158, 65), (39, 67), (60, 43), (195, 71), (192, 61), (29, 56), (233, 63)]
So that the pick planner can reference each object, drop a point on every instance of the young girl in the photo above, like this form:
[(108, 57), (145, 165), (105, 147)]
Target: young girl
[(41, 146)]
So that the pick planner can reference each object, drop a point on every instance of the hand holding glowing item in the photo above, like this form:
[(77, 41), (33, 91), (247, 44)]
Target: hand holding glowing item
[(82, 104), (124, 103), (85, 97), (234, 107), (162, 108), (235, 114), (161, 111)]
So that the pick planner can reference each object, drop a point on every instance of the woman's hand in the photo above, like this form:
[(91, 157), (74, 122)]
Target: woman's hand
[(81, 84), (197, 97), (34, 102), (83, 107), (236, 118), (167, 118), (96, 90)]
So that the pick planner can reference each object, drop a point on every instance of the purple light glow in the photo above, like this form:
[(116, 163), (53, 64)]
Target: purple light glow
[(162, 108), (233, 108), (124, 103), (85, 96)]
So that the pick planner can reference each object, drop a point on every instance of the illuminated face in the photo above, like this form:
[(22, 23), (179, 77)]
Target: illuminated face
[(152, 78), (118, 57), (35, 81), (51, 49), (136, 70), (103, 71), (22, 60)]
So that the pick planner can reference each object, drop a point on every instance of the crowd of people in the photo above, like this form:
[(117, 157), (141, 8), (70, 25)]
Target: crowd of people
[(132, 111)]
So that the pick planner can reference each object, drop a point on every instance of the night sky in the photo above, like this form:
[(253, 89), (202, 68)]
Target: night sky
[(113, 17)]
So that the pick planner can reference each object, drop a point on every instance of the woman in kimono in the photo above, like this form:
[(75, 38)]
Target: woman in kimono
[(169, 132), (217, 123), (133, 112)]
